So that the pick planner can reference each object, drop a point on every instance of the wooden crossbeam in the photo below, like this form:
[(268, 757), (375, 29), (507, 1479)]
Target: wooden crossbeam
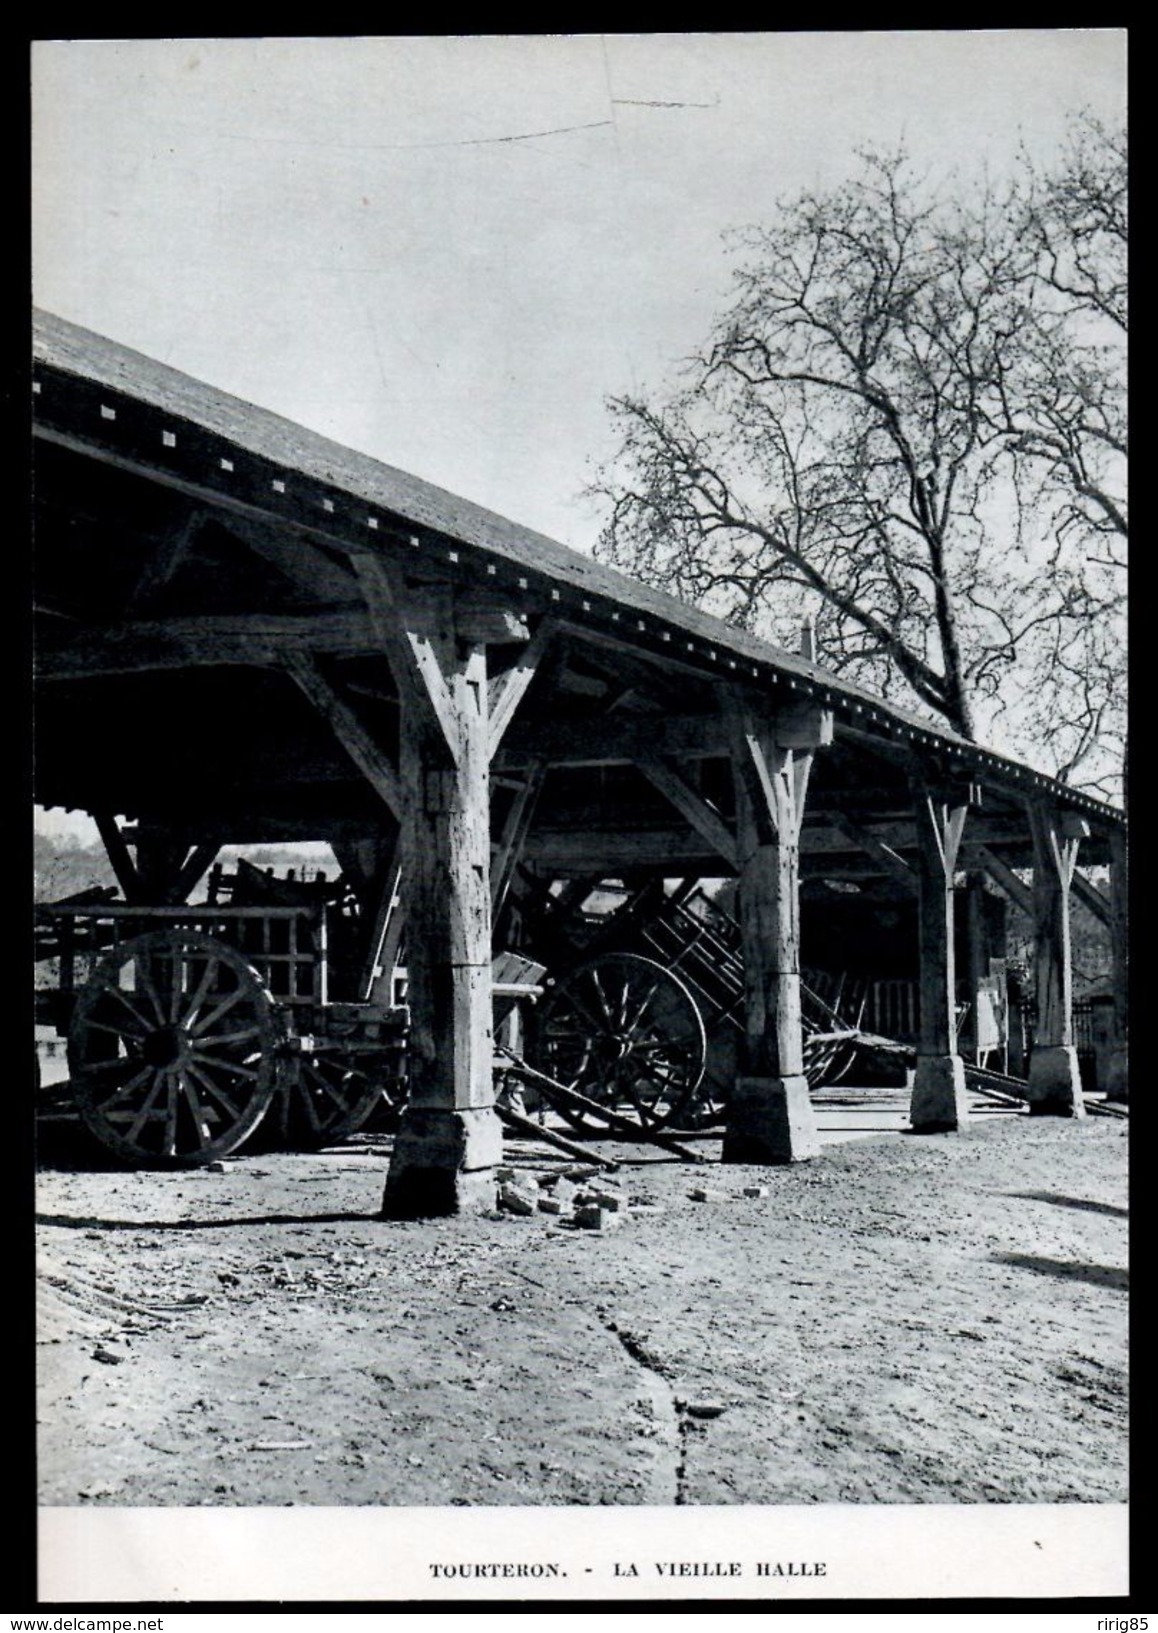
[(348, 626), (349, 730)]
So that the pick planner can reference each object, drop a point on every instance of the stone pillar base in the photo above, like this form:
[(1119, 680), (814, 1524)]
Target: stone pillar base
[(1118, 1078), (1055, 1083), (770, 1120), (938, 1103), (443, 1163)]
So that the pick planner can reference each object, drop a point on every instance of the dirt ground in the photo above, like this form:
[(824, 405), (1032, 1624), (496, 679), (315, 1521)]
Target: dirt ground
[(904, 1319)]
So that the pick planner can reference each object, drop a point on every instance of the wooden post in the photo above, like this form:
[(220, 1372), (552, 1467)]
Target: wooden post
[(449, 1141), (1054, 1081), (976, 959), (938, 1100), (1118, 1087), (770, 1117)]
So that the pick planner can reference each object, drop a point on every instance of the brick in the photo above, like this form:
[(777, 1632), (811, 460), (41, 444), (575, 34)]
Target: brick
[(517, 1199)]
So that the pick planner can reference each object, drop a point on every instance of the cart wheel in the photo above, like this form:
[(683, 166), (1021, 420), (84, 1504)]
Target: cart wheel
[(324, 1096), (172, 1049), (625, 1032)]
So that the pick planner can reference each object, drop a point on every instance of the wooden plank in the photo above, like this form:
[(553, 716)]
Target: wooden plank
[(374, 867), (348, 628), (298, 559), (195, 866), (139, 646), (614, 737), (349, 730), (549, 1136), (551, 1089), (703, 817)]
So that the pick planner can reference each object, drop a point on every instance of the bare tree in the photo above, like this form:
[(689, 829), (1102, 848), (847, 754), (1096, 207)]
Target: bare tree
[(876, 430)]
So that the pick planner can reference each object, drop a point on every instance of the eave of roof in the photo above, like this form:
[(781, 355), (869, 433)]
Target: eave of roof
[(644, 616)]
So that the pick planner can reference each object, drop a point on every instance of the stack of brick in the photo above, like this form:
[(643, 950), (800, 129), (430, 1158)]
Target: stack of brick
[(578, 1198)]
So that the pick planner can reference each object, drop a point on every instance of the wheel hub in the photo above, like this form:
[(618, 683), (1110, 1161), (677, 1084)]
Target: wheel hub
[(165, 1047)]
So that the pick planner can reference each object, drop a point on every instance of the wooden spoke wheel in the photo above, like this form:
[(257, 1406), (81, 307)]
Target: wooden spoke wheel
[(325, 1094), (627, 1033), (172, 1049)]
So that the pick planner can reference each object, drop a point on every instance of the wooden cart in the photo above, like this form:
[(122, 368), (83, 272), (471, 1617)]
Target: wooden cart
[(645, 1010), (192, 1028)]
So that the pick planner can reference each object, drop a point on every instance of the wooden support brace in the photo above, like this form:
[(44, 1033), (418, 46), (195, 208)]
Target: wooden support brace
[(1091, 897), (354, 737), (117, 851), (417, 637), (1003, 875), (509, 849), (508, 690), (891, 862), (164, 561), (200, 859), (702, 816)]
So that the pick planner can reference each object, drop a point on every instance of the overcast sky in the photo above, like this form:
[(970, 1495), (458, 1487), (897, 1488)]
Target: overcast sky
[(448, 252)]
